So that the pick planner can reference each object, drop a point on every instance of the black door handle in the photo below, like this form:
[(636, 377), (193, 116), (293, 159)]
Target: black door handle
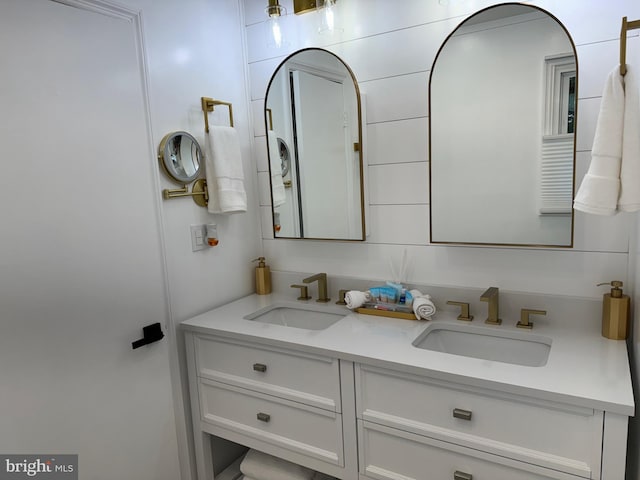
[(150, 333)]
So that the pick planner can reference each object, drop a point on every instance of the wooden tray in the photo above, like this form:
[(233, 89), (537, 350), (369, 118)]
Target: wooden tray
[(386, 313)]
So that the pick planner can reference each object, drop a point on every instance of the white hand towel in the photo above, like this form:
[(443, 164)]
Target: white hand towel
[(261, 466), (355, 298), (225, 177), (423, 307), (629, 200), (416, 293), (275, 166), (615, 167)]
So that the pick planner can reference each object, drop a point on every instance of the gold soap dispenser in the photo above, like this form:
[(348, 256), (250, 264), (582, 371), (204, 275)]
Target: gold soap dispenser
[(615, 312), (263, 277)]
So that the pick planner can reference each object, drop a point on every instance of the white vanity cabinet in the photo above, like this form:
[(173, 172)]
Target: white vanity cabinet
[(411, 426), (358, 401), (280, 401)]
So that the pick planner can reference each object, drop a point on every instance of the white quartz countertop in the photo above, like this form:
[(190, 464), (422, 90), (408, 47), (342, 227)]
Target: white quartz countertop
[(583, 368)]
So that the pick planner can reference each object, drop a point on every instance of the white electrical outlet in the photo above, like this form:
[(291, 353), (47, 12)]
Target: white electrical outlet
[(198, 237)]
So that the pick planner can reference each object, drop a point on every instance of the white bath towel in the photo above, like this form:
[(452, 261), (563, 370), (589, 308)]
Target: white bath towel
[(423, 307), (275, 166), (225, 177), (356, 298), (316, 476), (261, 466), (612, 182), (629, 200)]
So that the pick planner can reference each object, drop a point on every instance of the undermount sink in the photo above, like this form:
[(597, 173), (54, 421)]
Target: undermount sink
[(518, 348), (304, 316)]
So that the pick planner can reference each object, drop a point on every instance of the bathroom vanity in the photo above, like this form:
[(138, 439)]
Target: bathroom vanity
[(367, 397)]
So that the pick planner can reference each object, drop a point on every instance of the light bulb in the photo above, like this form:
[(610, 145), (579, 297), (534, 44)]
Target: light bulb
[(274, 12), (327, 12), (276, 31)]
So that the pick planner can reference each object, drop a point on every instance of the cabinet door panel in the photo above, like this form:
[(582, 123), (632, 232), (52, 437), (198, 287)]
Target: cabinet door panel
[(549, 435), (389, 454)]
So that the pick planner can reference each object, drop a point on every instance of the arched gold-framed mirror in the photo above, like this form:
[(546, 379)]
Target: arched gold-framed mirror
[(502, 130), (313, 124)]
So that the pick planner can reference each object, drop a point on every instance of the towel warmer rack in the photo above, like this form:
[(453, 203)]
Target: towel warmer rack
[(208, 105), (626, 26)]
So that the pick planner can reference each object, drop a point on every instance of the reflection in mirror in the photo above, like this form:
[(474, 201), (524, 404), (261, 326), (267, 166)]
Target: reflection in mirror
[(180, 156), (312, 116), (502, 122)]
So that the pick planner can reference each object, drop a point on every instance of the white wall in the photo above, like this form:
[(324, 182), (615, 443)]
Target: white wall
[(391, 48)]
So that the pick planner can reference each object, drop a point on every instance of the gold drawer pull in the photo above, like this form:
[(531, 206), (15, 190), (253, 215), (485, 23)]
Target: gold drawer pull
[(259, 367), (263, 417), (462, 476), (462, 414)]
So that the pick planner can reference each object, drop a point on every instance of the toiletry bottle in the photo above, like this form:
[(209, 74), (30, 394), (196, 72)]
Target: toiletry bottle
[(615, 312), (263, 277)]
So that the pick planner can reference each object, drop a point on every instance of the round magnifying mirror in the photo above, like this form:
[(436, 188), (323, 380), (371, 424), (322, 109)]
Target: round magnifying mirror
[(180, 156), (285, 156)]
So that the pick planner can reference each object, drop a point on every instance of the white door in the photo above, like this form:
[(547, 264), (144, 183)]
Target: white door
[(80, 257)]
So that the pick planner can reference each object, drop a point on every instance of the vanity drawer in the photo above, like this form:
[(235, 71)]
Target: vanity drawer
[(389, 454), (299, 428), (559, 437), (310, 379)]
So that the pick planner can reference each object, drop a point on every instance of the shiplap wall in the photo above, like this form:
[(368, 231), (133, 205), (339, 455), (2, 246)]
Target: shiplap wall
[(391, 46)]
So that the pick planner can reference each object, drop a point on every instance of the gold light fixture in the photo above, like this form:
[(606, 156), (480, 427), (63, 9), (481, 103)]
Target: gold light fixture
[(274, 30), (325, 9), (303, 6)]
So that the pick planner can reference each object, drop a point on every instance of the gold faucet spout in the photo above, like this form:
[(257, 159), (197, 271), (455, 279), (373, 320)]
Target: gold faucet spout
[(492, 296), (322, 286)]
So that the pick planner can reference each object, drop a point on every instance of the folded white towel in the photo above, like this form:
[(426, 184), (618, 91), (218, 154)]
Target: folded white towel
[(225, 177), (261, 466), (275, 166), (612, 182), (416, 293), (355, 298), (423, 307), (629, 200), (232, 472)]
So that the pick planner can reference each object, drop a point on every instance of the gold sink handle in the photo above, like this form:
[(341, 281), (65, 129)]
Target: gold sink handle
[(524, 317), (464, 310)]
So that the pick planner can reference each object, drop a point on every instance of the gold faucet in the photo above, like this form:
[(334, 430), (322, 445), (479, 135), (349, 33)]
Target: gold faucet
[(491, 296), (322, 286)]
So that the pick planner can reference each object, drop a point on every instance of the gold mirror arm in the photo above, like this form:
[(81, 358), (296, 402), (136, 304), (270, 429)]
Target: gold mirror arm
[(168, 193), (199, 192)]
